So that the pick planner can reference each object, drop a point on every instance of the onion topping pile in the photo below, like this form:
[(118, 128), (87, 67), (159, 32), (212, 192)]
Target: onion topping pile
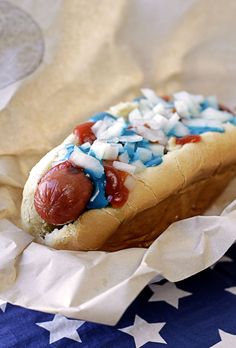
[(132, 136)]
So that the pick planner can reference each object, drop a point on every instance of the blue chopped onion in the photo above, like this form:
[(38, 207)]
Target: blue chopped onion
[(233, 121), (127, 132), (155, 161), (69, 150), (100, 116), (200, 130), (130, 148), (143, 143), (98, 199)]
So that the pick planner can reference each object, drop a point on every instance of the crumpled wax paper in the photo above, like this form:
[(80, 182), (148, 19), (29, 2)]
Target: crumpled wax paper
[(60, 64)]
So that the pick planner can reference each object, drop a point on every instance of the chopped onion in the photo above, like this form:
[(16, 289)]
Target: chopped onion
[(182, 108), (78, 158), (160, 109), (111, 152), (148, 115), (200, 122), (85, 146), (213, 114), (143, 154), (157, 149), (103, 150), (124, 167), (129, 182), (160, 121), (171, 122), (180, 130), (101, 126), (135, 115), (114, 130), (145, 106), (152, 97), (124, 157), (192, 102), (130, 138), (139, 166), (151, 134)]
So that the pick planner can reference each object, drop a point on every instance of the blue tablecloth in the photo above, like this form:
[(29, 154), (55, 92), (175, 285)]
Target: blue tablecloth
[(195, 313)]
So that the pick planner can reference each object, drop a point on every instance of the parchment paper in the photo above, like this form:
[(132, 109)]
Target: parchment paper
[(64, 62)]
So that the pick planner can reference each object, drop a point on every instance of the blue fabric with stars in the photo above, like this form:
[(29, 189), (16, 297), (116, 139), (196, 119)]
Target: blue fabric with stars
[(199, 307)]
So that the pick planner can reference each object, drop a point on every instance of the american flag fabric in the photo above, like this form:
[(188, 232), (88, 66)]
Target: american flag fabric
[(199, 312)]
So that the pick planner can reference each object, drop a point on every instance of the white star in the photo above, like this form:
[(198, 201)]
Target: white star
[(61, 327), (167, 292), (144, 332), (3, 305), (224, 258), (232, 290), (227, 340)]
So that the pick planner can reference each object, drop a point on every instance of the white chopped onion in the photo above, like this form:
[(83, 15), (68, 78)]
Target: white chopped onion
[(171, 122), (103, 150), (191, 100), (160, 109), (200, 122), (180, 130), (111, 152), (145, 106), (213, 114), (78, 158), (182, 108), (129, 182), (151, 134), (85, 146), (148, 115), (101, 126), (138, 122), (139, 166), (114, 130), (124, 157), (152, 97), (130, 138), (135, 115), (157, 149), (160, 121), (124, 167), (144, 154)]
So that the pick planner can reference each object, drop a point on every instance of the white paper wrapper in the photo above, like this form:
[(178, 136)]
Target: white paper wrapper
[(65, 63)]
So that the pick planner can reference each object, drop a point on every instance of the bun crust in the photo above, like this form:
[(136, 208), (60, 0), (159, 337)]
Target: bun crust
[(184, 185)]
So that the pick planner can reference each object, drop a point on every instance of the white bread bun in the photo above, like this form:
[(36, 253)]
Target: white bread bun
[(183, 185)]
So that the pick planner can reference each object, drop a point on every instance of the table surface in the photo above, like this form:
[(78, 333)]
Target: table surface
[(195, 313)]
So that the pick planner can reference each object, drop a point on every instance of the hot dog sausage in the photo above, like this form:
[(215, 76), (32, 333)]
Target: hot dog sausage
[(62, 194)]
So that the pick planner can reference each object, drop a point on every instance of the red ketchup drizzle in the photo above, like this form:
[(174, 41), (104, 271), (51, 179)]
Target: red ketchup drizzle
[(84, 133), (166, 97), (188, 139), (115, 189)]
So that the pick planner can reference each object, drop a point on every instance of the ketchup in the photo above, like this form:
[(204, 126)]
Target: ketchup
[(188, 139), (84, 133), (115, 189), (166, 97)]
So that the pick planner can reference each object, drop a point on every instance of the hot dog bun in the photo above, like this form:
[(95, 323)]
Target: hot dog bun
[(183, 185)]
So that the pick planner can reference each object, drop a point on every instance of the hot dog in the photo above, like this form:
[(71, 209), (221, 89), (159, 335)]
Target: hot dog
[(122, 177), (62, 194)]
